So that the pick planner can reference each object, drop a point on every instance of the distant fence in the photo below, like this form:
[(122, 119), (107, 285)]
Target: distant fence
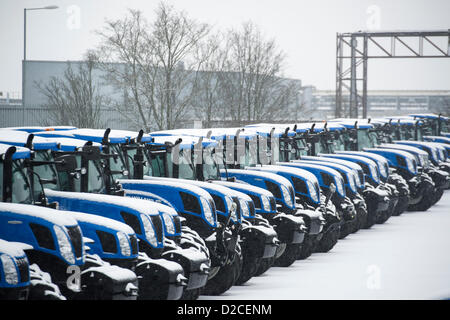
[(15, 115)]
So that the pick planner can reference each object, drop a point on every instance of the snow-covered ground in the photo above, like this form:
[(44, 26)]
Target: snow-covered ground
[(408, 257)]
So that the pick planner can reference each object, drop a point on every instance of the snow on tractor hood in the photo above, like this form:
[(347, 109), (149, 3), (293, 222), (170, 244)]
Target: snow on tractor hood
[(138, 205), (433, 148), (318, 170), (38, 213), (393, 156), (292, 174), (93, 219), (422, 157), (351, 176), (382, 163), (170, 192), (20, 138), (373, 171), (70, 144), (349, 164), (14, 249), (272, 182), (212, 189)]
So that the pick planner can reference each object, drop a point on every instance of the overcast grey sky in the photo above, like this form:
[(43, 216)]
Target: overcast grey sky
[(305, 30)]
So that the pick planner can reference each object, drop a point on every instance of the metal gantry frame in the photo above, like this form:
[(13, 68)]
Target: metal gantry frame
[(353, 50)]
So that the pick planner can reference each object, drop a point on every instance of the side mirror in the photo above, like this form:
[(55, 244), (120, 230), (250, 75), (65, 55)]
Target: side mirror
[(91, 152), (66, 163)]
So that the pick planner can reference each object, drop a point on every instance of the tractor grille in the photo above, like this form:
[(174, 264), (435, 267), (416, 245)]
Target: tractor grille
[(134, 244), (252, 208), (177, 222), (273, 204), (256, 201), (156, 220), (22, 265), (75, 237)]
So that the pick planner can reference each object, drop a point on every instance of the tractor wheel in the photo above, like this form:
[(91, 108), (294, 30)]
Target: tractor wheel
[(225, 278), (329, 239), (289, 255), (41, 286)]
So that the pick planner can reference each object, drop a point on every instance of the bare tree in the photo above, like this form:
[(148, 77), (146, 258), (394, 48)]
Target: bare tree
[(74, 98), (253, 85), (158, 66)]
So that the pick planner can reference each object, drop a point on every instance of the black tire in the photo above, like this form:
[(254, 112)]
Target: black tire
[(402, 205), (42, 287), (191, 294), (308, 247), (362, 216), (437, 195), (425, 203), (249, 269), (329, 239), (289, 255), (225, 278)]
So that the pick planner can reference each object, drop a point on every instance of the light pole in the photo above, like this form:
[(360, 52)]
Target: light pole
[(25, 45)]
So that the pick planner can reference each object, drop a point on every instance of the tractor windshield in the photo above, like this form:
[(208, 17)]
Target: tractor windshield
[(21, 190), (366, 138), (339, 142), (155, 164), (46, 173), (184, 162), (209, 164), (301, 146)]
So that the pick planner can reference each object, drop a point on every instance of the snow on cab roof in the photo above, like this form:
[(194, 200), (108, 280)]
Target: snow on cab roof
[(20, 153), (350, 123), (52, 215), (277, 130), (19, 138), (71, 144), (186, 141), (428, 116), (139, 205), (96, 135), (32, 129)]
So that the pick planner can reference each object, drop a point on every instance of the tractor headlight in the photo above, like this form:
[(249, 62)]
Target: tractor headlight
[(286, 195), (125, 248), (244, 208), (64, 244), (434, 154), (169, 224), (150, 232), (374, 173), (340, 186), (207, 211), (232, 207), (352, 179), (266, 203), (312, 191), (9, 269), (441, 154), (425, 160), (383, 171), (410, 165)]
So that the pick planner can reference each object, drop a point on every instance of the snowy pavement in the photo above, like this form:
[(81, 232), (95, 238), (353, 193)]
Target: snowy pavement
[(408, 257)]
